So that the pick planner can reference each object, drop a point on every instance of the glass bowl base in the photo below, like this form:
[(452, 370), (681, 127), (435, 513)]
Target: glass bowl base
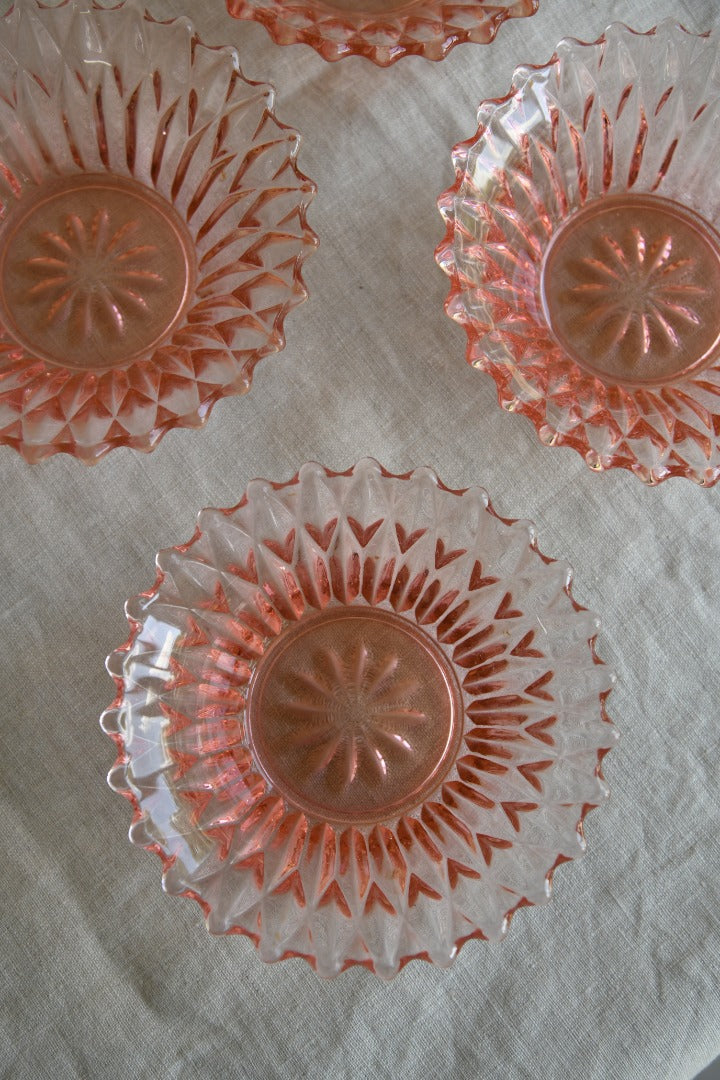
[(354, 714), (629, 288), (95, 271)]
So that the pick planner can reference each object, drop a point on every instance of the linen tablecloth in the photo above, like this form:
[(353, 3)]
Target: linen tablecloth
[(101, 974)]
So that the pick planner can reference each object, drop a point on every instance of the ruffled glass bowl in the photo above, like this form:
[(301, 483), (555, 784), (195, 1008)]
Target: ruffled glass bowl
[(360, 718), (583, 250), (381, 30), (152, 228)]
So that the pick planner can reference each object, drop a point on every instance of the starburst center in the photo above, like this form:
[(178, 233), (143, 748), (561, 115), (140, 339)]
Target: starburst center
[(355, 714), (94, 271), (628, 289)]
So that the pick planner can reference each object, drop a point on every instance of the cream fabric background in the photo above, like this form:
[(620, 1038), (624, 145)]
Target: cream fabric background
[(101, 975)]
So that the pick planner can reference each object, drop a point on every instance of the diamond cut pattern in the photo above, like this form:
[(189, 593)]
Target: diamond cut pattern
[(483, 842), (179, 118), (629, 113), (427, 28)]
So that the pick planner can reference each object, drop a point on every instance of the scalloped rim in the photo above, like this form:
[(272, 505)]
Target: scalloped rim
[(117, 775), (146, 442), (444, 257), (357, 39)]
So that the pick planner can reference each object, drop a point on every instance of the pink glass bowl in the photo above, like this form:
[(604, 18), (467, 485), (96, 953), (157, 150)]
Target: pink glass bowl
[(583, 250), (152, 228), (381, 30), (360, 718)]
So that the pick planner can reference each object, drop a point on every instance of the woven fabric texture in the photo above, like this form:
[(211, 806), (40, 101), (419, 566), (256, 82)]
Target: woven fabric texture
[(101, 975)]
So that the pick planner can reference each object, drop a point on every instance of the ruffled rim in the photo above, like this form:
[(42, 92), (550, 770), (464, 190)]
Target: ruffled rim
[(454, 306), (118, 779), (423, 28), (146, 441)]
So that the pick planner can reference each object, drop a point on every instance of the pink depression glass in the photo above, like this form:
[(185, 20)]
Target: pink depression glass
[(152, 228), (381, 30), (360, 718), (583, 250)]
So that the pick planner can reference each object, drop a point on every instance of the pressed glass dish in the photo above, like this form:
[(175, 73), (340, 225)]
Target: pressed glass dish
[(381, 30), (152, 228), (583, 250), (360, 718)]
